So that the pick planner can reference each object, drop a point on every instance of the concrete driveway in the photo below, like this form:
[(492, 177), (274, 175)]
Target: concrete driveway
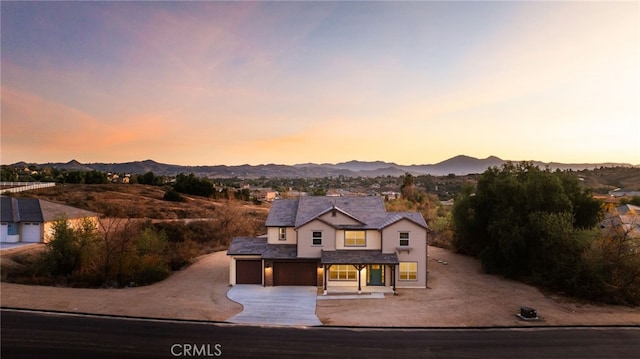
[(281, 305)]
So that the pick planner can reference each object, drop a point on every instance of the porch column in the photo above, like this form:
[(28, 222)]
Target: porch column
[(324, 274), (393, 278), (359, 268)]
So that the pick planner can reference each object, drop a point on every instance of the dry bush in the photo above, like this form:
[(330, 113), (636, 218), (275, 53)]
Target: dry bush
[(182, 253), (611, 269), (116, 259)]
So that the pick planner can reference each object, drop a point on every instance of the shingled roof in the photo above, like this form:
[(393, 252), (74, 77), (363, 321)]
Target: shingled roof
[(369, 211), (282, 213), (259, 246), (247, 246), (37, 210), (364, 256)]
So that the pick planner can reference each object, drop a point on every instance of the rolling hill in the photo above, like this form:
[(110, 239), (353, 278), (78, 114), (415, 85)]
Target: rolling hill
[(458, 165)]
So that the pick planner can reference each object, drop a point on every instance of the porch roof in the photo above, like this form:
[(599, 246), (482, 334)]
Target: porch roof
[(363, 256), (260, 247)]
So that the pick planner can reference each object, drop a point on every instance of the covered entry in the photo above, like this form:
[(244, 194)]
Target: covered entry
[(374, 261), (249, 271), (295, 273), (375, 274)]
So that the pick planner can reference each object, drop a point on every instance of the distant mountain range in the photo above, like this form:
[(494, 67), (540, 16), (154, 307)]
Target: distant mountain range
[(458, 165)]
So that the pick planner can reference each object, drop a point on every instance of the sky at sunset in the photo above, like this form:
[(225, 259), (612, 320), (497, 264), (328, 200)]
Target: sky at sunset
[(205, 83)]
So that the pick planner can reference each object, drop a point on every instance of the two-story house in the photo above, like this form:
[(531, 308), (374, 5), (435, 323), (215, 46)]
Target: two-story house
[(333, 242)]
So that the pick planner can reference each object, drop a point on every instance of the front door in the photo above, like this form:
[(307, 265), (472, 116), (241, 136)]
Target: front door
[(375, 274)]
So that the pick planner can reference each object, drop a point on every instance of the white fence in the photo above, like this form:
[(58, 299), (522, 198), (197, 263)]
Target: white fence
[(15, 187)]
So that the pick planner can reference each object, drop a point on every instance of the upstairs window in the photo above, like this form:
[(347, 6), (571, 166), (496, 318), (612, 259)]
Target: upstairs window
[(282, 234), (404, 239), (354, 239), (317, 238)]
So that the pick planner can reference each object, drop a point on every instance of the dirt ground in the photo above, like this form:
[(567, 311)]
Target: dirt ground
[(198, 292), (460, 295)]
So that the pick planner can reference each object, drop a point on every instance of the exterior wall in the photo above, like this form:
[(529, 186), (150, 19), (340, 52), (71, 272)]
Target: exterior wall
[(5, 237), (391, 236), (417, 253), (306, 249), (48, 231), (372, 239), (232, 271), (232, 267), (273, 235), (338, 219), (269, 196)]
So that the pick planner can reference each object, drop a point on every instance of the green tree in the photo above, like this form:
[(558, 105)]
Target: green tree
[(74, 177), (319, 191), (151, 257), (192, 185), (635, 200), (69, 250), (408, 185), (243, 194), (522, 221), (173, 196), (8, 173), (149, 178), (611, 264), (95, 177)]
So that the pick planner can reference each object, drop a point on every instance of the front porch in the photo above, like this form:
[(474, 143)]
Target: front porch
[(354, 289), (351, 292), (374, 263)]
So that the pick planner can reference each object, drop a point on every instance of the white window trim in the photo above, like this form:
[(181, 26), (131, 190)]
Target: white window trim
[(400, 239), (314, 237)]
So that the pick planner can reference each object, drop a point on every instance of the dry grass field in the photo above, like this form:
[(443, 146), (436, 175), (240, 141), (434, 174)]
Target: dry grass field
[(137, 201)]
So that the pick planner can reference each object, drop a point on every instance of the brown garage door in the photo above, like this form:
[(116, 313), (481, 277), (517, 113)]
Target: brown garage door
[(295, 273), (249, 271)]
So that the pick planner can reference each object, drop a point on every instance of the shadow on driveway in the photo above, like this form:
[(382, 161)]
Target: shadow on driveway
[(281, 305)]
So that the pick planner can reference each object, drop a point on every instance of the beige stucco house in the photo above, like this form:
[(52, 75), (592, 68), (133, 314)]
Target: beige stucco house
[(334, 242), (31, 220)]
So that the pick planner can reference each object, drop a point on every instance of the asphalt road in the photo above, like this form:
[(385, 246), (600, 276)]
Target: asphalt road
[(45, 335)]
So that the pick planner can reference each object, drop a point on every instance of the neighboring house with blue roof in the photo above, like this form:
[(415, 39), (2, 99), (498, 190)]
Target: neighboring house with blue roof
[(30, 220), (334, 242)]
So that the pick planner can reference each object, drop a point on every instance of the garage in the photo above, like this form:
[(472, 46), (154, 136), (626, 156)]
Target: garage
[(249, 271), (31, 232), (295, 273)]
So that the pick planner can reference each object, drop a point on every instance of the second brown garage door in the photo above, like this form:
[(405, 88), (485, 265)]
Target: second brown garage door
[(295, 273), (249, 271)]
